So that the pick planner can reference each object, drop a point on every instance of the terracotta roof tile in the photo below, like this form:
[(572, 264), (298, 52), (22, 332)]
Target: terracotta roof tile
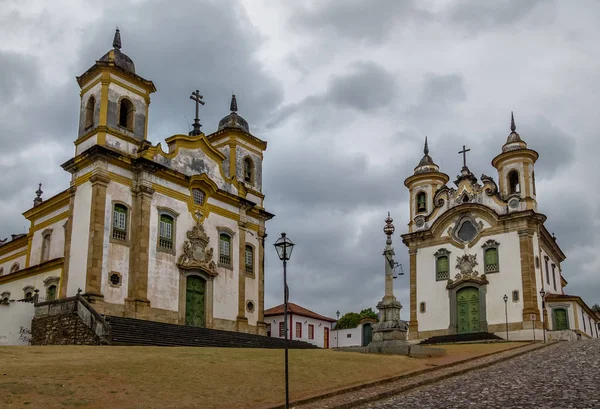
[(296, 310)]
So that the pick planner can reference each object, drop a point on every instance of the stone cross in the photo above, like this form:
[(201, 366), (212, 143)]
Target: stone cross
[(198, 99), (464, 153)]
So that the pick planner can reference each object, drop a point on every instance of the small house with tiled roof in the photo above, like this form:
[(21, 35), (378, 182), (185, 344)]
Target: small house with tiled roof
[(303, 324)]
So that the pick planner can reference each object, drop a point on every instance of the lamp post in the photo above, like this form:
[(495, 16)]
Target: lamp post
[(505, 298), (337, 331), (284, 247), (543, 294)]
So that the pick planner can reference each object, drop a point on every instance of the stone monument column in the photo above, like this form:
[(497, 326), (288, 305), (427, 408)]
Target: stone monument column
[(389, 334)]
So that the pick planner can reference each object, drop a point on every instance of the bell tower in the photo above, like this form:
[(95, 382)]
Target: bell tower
[(516, 174), (423, 184), (114, 103)]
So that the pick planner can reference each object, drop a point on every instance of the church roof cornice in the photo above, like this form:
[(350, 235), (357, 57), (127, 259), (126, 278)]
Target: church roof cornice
[(442, 177), (520, 153), (50, 205), (550, 242)]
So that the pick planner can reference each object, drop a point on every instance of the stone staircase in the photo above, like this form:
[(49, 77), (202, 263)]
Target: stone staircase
[(129, 331), (456, 338)]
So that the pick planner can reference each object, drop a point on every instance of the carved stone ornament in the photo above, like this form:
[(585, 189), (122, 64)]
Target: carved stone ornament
[(196, 253), (419, 221), (466, 264)]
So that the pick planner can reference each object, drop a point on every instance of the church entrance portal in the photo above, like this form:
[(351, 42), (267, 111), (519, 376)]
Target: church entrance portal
[(194, 301), (468, 310)]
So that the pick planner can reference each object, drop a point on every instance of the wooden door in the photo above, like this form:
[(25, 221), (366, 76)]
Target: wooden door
[(194, 301), (468, 310), (560, 320), (326, 338)]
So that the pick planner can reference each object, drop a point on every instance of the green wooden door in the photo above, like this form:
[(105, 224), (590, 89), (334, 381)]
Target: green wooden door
[(468, 310), (367, 334), (194, 301), (560, 320)]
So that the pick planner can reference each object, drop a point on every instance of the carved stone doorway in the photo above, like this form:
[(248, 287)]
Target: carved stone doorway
[(195, 300), (468, 305), (468, 310)]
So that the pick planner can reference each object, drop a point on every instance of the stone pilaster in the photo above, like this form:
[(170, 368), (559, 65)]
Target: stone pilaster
[(93, 281), (262, 235), (242, 320), (62, 293), (140, 244), (528, 274), (413, 325)]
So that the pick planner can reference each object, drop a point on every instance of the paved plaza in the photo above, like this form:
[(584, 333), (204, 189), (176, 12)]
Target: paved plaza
[(561, 376)]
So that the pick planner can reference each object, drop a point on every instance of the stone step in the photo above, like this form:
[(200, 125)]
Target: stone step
[(130, 331)]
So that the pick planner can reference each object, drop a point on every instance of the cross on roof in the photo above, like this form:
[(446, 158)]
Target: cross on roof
[(464, 154), (198, 99)]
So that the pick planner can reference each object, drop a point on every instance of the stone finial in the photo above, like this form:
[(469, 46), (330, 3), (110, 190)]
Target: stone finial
[(38, 200), (389, 228), (233, 106), (117, 39), (513, 127), (426, 148)]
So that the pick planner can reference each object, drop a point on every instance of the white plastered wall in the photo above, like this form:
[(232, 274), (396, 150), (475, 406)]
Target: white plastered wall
[(57, 242), (80, 238), (435, 294), (319, 329)]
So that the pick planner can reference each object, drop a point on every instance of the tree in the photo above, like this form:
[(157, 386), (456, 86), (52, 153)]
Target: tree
[(596, 308), (352, 319)]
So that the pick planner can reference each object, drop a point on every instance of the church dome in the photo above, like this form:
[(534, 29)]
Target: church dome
[(233, 120), (117, 57), (426, 164), (514, 141)]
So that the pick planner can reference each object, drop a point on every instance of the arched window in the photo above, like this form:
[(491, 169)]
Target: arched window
[(46, 238), (513, 182), (15, 267), (224, 249), (165, 240), (1, 271), (249, 259), (554, 276), (442, 265), (198, 196), (421, 202), (51, 293), (4, 297), (126, 112), (119, 222), (248, 170), (422, 308), (28, 293), (89, 112), (546, 259), (515, 296), (533, 181)]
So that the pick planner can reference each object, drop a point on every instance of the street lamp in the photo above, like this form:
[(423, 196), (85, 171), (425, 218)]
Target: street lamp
[(337, 331), (284, 247), (505, 298), (543, 294)]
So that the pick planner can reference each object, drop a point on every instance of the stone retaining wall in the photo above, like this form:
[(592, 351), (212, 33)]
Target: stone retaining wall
[(65, 329)]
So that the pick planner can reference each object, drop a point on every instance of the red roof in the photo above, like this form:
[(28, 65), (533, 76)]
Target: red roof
[(296, 310)]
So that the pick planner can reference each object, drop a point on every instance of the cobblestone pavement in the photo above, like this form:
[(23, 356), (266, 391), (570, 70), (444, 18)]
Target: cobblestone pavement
[(559, 377), (408, 382)]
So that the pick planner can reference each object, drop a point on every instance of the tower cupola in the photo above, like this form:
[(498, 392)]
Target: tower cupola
[(233, 120)]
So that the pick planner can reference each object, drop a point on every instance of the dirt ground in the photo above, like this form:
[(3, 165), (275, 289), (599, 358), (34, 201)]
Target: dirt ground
[(55, 377)]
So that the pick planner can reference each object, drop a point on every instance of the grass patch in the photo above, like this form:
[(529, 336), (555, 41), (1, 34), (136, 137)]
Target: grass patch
[(55, 377)]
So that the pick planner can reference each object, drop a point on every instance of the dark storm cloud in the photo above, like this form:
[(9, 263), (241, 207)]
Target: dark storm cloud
[(475, 15), (366, 86), (357, 20)]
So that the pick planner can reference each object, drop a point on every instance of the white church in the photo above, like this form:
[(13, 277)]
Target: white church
[(481, 258), (171, 233)]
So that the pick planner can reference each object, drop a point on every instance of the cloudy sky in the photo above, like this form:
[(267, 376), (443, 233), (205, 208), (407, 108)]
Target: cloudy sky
[(344, 92)]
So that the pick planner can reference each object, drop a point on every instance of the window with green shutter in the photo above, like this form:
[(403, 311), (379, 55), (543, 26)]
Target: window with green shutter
[(491, 260), (165, 240), (442, 268)]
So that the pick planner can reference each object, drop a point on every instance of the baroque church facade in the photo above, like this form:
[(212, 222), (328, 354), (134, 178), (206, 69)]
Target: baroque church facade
[(172, 234), (481, 258)]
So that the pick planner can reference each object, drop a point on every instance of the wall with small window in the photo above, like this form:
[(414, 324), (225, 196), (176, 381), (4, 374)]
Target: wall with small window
[(89, 109), (39, 282), (8, 260), (305, 327), (118, 227), (126, 111), (48, 243), (249, 167)]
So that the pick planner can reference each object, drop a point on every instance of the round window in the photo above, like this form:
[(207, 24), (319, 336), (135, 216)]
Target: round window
[(250, 306), (115, 279), (467, 231)]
